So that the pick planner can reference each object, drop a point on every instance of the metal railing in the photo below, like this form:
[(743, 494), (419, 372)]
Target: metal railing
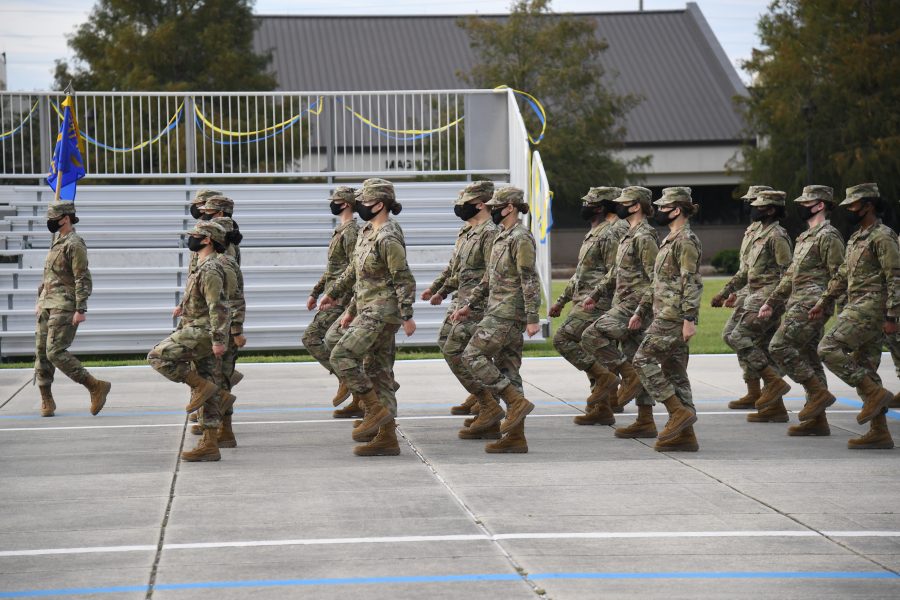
[(144, 135)]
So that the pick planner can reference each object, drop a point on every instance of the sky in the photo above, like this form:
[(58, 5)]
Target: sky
[(33, 34)]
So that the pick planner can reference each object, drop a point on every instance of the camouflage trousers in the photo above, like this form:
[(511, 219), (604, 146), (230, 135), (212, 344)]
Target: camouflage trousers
[(173, 356), (458, 337), (601, 342), (567, 339), (794, 345), (364, 358), (229, 360), (447, 325), (493, 356), (852, 350), (750, 336), (661, 362), (893, 343), (314, 336), (53, 335), (736, 315)]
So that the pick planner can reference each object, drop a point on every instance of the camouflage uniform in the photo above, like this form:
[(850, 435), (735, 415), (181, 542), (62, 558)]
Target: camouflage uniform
[(383, 291), (64, 289), (340, 252), (237, 305), (595, 259), (205, 321), (818, 254), (628, 279), (767, 259)]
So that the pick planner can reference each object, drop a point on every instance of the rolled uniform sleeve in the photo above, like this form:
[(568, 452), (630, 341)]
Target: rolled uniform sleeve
[(531, 284), (401, 276), (82, 275)]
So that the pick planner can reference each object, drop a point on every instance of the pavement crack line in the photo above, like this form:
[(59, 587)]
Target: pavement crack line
[(16, 393), (151, 584), (475, 520)]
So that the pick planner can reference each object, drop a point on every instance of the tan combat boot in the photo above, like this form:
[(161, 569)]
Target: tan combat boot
[(817, 426), (631, 384), (236, 378), (513, 442), (877, 438), (193, 417), (517, 408), (226, 401), (605, 384), (773, 389), (895, 403), (201, 390), (598, 413), (48, 405), (489, 415), (343, 392), (207, 449), (685, 441), (466, 407), (383, 444), (818, 398), (643, 427), (98, 389), (351, 411), (491, 433), (874, 398), (749, 399), (680, 418), (776, 413), (376, 415), (225, 436)]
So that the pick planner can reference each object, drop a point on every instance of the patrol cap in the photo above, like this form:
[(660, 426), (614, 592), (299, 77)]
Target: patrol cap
[(769, 198), (201, 196), (858, 192), (376, 190), (343, 193), (675, 195), (58, 210), (225, 223), (209, 229), (815, 193), (636, 193), (507, 194), (219, 204), (596, 195), (480, 191), (754, 190)]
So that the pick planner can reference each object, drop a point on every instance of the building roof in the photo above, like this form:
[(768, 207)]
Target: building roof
[(670, 58)]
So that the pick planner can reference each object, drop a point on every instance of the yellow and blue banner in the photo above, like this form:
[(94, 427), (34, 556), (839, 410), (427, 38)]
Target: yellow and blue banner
[(67, 166)]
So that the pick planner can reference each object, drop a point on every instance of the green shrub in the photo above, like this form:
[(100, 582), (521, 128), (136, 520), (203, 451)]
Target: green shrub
[(727, 261)]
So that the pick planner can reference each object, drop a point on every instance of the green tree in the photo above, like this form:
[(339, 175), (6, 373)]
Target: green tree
[(829, 72), (557, 58), (166, 45)]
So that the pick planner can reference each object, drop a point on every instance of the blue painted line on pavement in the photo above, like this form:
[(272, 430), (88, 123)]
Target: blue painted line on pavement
[(466, 578), (891, 413)]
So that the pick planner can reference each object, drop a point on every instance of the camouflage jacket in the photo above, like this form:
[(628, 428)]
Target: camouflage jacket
[(469, 261), (746, 244), (510, 283), (633, 270), (379, 278), (445, 275), (204, 304), (234, 292), (767, 258), (596, 257), (869, 273), (340, 252), (231, 250), (67, 281), (818, 255), (676, 290)]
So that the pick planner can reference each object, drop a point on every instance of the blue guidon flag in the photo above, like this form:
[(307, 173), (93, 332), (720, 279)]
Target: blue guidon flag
[(67, 166)]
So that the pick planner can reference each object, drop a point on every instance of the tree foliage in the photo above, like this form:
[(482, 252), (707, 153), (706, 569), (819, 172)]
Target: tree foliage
[(557, 58), (829, 69), (166, 45)]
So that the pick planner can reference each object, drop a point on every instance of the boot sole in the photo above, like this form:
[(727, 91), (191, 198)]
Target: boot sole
[(600, 422), (673, 434), (227, 443), (340, 415), (784, 419), (631, 436), (337, 400), (780, 391), (460, 412), (96, 410), (871, 447), (748, 406), (385, 452), (202, 459), (886, 399), (683, 448), (467, 435), (507, 425), (808, 433), (506, 450)]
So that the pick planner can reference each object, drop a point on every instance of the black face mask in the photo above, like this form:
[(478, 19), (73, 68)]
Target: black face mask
[(622, 210), (588, 213), (806, 212), (195, 211), (206, 217), (366, 213), (465, 211), (195, 244), (337, 208), (855, 218), (664, 218), (497, 215), (53, 226), (758, 214)]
